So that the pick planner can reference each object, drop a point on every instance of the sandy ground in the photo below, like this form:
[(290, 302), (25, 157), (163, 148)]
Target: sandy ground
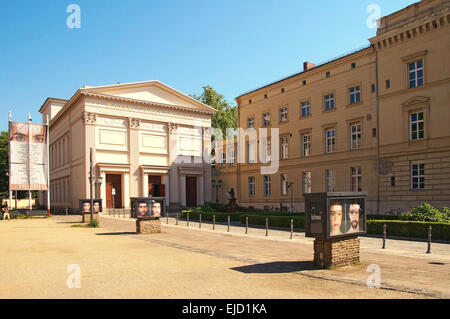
[(36, 253)]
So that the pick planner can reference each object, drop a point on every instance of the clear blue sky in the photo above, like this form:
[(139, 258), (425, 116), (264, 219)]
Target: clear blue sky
[(232, 45)]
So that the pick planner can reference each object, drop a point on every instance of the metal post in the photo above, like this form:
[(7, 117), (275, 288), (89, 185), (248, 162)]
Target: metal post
[(384, 236), (228, 224), (200, 221), (177, 220), (292, 228), (67, 211), (91, 182), (187, 224), (167, 217), (246, 224), (429, 240), (267, 226), (214, 222)]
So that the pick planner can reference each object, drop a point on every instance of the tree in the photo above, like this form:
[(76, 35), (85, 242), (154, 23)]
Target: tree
[(226, 117), (4, 163)]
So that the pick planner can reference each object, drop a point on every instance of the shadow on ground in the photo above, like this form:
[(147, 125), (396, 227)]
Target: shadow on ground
[(276, 267), (116, 234)]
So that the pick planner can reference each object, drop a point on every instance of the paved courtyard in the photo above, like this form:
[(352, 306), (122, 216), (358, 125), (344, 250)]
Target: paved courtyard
[(188, 262)]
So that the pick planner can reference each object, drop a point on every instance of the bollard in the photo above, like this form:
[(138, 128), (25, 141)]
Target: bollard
[(176, 223), (200, 221), (384, 236), (187, 220), (246, 224), (292, 228), (228, 224), (214, 221), (167, 217), (67, 211), (267, 226), (429, 240)]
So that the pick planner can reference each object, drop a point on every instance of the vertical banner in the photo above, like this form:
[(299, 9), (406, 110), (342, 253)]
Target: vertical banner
[(28, 156)]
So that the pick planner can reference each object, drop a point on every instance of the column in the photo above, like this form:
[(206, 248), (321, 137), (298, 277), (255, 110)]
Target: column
[(103, 189), (144, 184), (201, 180), (167, 188), (126, 190), (207, 166), (183, 190), (174, 178)]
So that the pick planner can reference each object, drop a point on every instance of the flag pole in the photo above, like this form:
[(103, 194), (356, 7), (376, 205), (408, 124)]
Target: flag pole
[(9, 162), (48, 165)]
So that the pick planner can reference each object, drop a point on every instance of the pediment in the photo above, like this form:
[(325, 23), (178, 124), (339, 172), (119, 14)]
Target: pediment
[(150, 91), (416, 100)]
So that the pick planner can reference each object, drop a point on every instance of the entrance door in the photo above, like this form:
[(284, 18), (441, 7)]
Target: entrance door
[(155, 187), (191, 191), (113, 181)]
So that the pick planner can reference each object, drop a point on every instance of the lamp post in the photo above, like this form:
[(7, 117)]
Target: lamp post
[(289, 185), (217, 185)]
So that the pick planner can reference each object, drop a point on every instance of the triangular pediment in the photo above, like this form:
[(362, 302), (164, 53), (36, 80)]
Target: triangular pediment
[(150, 91), (416, 100)]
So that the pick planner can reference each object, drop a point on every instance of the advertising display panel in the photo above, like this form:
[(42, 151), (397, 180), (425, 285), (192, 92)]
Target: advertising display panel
[(335, 215)]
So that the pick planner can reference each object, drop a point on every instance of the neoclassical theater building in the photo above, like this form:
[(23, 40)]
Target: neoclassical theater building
[(147, 139)]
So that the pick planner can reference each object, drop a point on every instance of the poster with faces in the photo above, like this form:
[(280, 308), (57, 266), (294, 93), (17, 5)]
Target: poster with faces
[(346, 217), (28, 156)]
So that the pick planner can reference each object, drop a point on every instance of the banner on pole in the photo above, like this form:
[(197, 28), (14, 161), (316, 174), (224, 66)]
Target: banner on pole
[(28, 156)]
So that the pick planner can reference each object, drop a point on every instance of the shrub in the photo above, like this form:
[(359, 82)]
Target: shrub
[(274, 221), (414, 229), (94, 223), (426, 213), (221, 217)]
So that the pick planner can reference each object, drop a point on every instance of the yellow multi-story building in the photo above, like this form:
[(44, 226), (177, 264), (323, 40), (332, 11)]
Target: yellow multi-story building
[(375, 120)]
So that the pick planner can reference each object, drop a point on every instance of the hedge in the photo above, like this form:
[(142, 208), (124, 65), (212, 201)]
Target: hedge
[(220, 217), (411, 229), (274, 221)]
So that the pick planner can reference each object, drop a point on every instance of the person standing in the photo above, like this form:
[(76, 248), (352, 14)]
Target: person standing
[(5, 211)]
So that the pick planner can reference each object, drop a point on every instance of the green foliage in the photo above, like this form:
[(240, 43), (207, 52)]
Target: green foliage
[(94, 223), (221, 217), (274, 221), (427, 213), (413, 229), (226, 117)]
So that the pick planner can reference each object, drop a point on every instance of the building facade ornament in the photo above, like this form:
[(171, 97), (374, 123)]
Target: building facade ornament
[(173, 127), (89, 118), (134, 123)]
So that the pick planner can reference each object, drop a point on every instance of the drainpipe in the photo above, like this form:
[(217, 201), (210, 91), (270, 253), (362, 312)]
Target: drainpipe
[(378, 128)]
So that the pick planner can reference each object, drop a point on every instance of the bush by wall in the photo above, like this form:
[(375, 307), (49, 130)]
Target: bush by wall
[(427, 213), (274, 221), (413, 229), (220, 216)]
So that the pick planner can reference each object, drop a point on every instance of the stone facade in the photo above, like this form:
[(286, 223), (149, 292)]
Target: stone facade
[(336, 252), (148, 226)]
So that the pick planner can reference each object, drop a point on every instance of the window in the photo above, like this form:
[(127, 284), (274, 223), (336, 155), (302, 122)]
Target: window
[(251, 153), (251, 186), (231, 157), (265, 96), (283, 114), (284, 147), (306, 182), (249, 101), (416, 126), (223, 159), (306, 144), (304, 82), (415, 72), (266, 150), (355, 184), (330, 142), (284, 184), (388, 84), (329, 102), (266, 119), (355, 94), (306, 110), (372, 88), (355, 136), (392, 180), (267, 189), (251, 122), (418, 176), (329, 180), (282, 90), (353, 65), (327, 74)]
